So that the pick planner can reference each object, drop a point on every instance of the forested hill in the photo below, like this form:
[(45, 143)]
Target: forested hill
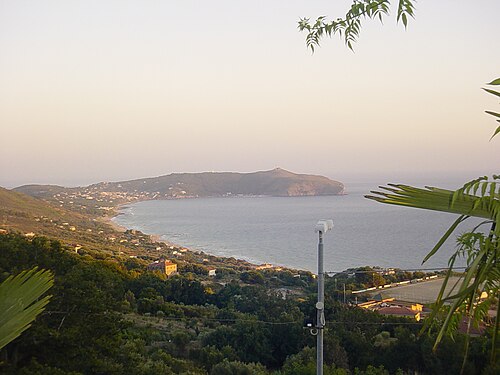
[(276, 182)]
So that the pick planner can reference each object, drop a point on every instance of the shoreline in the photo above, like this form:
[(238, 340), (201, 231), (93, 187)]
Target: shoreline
[(157, 238), (241, 259), (108, 220)]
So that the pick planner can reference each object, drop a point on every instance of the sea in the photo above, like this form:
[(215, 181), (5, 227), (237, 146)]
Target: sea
[(280, 230)]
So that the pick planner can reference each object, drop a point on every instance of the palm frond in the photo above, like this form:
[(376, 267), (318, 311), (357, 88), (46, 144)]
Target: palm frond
[(443, 200), (478, 198), (20, 302)]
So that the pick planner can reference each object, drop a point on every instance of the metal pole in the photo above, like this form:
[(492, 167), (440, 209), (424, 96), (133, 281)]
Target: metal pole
[(320, 317)]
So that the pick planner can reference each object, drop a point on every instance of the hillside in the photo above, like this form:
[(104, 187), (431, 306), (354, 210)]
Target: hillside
[(90, 234), (276, 182), (80, 215), (105, 195), (32, 216), (16, 206)]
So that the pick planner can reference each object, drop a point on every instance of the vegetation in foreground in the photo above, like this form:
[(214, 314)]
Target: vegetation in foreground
[(111, 317)]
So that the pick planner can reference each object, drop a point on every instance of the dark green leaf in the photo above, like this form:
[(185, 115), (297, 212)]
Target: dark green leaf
[(495, 82), (444, 237), (493, 113), (405, 21), (492, 92), (496, 132)]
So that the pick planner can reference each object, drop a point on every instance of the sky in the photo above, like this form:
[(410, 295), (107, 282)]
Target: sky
[(96, 91)]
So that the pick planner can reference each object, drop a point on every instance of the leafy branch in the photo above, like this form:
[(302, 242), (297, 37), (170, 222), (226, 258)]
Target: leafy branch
[(349, 27), (495, 82)]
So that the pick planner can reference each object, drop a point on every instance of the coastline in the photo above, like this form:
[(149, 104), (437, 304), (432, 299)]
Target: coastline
[(153, 236), (289, 251), (108, 220), (157, 238), (160, 235)]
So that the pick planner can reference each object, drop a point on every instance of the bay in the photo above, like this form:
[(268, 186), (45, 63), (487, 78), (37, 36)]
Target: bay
[(280, 230)]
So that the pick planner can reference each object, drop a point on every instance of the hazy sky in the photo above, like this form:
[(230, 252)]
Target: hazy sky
[(111, 90)]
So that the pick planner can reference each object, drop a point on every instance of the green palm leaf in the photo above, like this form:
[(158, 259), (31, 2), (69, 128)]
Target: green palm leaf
[(431, 198), (478, 198), (20, 303)]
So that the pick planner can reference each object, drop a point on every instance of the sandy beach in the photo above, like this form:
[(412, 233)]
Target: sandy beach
[(109, 221)]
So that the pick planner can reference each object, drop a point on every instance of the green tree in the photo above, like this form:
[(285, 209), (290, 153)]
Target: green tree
[(349, 26), (372, 370), (478, 198), (238, 368), (369, 277), (209, 356), (181, 289), (304, 363), (252, 277)]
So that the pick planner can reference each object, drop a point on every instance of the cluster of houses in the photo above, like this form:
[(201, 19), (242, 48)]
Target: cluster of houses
[(98, 197)]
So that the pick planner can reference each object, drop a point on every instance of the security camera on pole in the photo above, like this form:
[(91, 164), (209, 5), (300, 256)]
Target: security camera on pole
[(322, 227)]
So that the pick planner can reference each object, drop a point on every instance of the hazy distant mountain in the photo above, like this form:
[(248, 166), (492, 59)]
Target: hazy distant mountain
[(276, 182)]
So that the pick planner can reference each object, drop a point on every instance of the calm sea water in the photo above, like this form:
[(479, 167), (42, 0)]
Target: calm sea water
[(281, 230)]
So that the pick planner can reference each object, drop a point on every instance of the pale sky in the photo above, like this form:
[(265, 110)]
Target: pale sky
[(111, 90)]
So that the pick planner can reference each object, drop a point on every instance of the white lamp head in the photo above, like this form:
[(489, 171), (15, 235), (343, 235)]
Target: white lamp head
[(324, 226)]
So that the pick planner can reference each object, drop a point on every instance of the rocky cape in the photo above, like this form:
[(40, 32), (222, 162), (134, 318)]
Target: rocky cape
[(276, 182)]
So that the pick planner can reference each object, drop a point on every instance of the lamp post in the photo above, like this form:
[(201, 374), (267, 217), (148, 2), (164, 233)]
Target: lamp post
[(322, 227)]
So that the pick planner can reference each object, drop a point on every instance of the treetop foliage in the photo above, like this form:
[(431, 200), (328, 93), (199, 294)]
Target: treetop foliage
[(103, 318), (348, 28)]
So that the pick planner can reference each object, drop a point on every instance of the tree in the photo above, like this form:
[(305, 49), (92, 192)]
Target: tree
[(252, 277), (349, 27), (368, 276), (238, 368), (304, 363), (477, 198)]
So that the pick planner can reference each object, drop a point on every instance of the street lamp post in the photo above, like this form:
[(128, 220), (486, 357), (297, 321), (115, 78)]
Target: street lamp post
[(322, 227)]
